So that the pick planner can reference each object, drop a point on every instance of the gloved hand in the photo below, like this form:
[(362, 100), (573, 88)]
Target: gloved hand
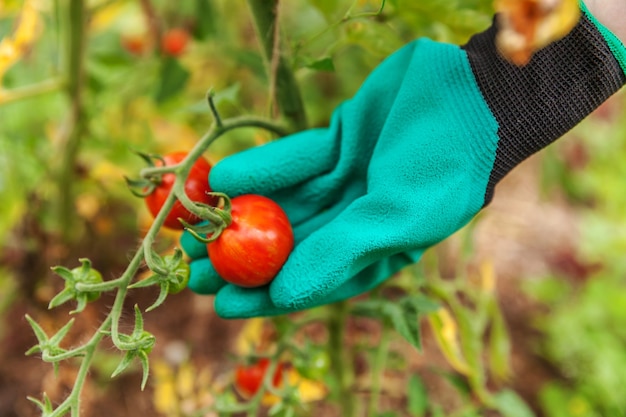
[(407, 162)]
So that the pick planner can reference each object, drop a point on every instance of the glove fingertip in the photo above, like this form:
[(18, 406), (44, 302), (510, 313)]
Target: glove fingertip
[(233, 302), (276, 165), (203, 279)]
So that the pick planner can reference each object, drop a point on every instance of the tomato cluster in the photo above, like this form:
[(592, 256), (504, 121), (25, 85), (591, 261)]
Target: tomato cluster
[(174, 42), (252, 249), (249, 378)]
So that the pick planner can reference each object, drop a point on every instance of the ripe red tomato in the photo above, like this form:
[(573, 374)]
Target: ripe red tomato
[(174, 42), (196, 187), (249, 379), (254, 247)]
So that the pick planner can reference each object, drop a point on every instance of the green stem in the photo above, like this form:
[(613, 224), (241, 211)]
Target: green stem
[(116, 310), (184, 167), (159, 170), (28, 91), (149, 257), (63, 356), (110, 326), (75, 48), (284, 89), (99, 287), (72, 402), (378, 368), (340, 359), (213, 108)]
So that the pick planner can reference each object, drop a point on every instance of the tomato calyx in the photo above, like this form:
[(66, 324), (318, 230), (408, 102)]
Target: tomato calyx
[(150, 177), (209, 232), (137, 345), (189, 201), (77, 285), (170, 273)]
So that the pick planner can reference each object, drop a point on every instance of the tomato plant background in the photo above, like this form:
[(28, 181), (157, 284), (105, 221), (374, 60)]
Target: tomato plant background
[(555, 234)]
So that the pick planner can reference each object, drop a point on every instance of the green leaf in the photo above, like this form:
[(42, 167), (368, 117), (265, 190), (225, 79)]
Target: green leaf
[(404, 315), (405, 320), (459, 382), (437, 411), (422, 303), (323, 64), (229, 94), (511, 405), (205, 23), (173, 78), (417, 397), (368, 308), (276, 408), (555, 400)]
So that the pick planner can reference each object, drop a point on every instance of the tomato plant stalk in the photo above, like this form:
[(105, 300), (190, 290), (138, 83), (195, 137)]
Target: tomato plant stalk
[(340, 358), (284, 90), (74, 130)]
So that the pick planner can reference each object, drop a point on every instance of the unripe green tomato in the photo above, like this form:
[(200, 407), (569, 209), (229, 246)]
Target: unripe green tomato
[(315, 366), (91, 276), (182, 270)]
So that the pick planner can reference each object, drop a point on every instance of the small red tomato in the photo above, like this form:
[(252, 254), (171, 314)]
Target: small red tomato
[(174, 42), (196, 187), (249, 379), (254, 247), (135, 44)]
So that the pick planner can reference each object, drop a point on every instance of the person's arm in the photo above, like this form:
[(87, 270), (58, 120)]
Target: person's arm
[(537, 103), (612, 14)]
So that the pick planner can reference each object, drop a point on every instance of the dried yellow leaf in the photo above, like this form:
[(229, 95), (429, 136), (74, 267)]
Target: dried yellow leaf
[(446, 333), (308, 390), (165, 398), (249, 336), (487, 277), (185, 380), (87, 205), (14, 47)]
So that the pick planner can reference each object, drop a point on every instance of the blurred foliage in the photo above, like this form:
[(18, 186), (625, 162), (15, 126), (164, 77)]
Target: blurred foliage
[(156, 103), (585, 317)]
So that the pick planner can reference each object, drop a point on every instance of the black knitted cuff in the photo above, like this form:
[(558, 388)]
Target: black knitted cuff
[(536, 104)]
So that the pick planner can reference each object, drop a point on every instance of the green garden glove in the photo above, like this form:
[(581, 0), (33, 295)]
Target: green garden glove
[(413, 157)]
